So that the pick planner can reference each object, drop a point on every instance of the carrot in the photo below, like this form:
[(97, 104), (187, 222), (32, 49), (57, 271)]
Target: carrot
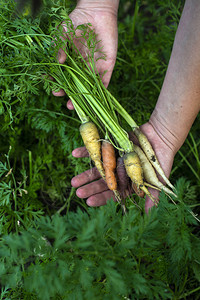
[(133, 168), (144, 143), (123, 180), (149, 172), (109, 164), (148, 150), (135, 172), (91, 139), (121, 175), (139, 192)]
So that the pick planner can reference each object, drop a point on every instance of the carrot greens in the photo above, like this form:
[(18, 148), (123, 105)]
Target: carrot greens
[(52, 245), (79, 78)]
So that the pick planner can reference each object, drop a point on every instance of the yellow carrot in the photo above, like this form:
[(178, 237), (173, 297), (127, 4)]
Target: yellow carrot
[(149, 172), (148, 150), (91, 139), (135, 172)]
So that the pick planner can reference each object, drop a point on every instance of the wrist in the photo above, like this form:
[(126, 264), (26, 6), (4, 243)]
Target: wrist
[(110, 6), (164, 131)]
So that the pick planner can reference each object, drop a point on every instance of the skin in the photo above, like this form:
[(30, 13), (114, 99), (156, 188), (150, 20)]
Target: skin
[(176, 109), (90, 187), (103, 17)]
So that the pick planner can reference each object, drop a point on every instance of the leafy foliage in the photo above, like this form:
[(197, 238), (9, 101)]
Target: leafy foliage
[(101, 253), (52, 246), (37, 127)]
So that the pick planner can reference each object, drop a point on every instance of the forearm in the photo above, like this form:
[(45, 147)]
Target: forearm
[(107, 5), (179, 100)]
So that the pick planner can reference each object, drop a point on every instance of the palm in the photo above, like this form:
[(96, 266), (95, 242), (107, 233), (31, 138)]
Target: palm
[(105, 26), (95, 190)]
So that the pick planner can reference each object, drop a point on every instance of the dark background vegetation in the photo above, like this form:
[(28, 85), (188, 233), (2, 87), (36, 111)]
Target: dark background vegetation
[(52, 245)]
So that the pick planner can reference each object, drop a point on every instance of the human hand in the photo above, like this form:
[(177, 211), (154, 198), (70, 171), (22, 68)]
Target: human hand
[(89, 184), (104, 21)]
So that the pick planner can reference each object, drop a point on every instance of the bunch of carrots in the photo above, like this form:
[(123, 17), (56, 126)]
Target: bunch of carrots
[(140, 163), (101, 132), (96, 107)]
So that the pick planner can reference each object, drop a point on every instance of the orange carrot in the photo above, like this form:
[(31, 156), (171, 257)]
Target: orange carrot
[(109, 164)]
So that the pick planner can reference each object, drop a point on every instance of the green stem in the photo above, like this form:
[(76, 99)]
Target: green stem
[(29, 40), (189, 165), (117, 132), (38, 41), (81, 114), (123, 112), (189, 293), (134, 19), (30, 167), (67, 203), (25, 34), (13, 178), (79, 111), (53, 112)]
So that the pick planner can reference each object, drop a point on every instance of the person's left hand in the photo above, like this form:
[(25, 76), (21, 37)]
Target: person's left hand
[(104, 22), (93, 188)]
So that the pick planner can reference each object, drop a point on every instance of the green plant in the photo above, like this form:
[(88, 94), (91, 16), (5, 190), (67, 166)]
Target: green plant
[(51, 244), (102, 254)]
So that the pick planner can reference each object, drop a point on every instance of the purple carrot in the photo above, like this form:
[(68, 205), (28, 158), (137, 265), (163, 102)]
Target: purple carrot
[(123, 180)]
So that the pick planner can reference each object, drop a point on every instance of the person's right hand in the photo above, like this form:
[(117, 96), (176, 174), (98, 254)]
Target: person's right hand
[(92, 187), (104, 22)]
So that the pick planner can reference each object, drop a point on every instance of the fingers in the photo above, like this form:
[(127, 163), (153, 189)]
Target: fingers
[(80, 152), (70, 106), (96, 192), (60, 93), (85, 177), (91, 189), (100, 199)]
